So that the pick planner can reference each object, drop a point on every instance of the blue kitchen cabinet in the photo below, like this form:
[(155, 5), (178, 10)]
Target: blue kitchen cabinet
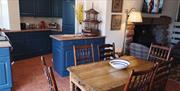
[(29, 44), (57, 8), (68, 24), (44, 8), (63, 56), (19, 48), (5, 70), (36, 8), (18, 43), (56, 32), (41, 8), (27, 7)]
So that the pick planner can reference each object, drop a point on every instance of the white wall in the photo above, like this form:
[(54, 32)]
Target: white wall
[(118, 36), (14, 15), (10, 18), (104, 7), (4, 14)]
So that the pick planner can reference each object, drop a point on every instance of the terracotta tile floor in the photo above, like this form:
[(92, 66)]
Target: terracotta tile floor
[(28, 76)]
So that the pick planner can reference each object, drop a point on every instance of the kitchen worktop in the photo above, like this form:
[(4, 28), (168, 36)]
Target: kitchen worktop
[(72, 37), (4, 44), (31, 30), (4, 41)]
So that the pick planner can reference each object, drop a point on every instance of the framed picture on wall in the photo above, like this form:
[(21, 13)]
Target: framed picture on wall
[(152, 6), (116, 22), (117, 6)]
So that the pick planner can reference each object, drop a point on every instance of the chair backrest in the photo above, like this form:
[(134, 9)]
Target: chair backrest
[(161, 75), (106, 51), (48, 71), (141, 80), (139, 50), (157, 53), (83, 54)]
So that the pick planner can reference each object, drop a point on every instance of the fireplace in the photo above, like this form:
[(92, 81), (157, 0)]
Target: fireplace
[(143, 34), (152, 30)]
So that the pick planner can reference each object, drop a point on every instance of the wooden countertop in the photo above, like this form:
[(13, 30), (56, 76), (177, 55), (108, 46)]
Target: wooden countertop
[(72, 37), (31, 30), (4, 44)]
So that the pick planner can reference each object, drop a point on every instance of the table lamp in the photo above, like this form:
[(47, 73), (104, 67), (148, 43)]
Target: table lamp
[(132, 16)]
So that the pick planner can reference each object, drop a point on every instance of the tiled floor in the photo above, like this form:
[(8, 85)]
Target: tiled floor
[(28, 76)]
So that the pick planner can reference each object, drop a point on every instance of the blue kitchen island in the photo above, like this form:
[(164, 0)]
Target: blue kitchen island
[(5, 66), (62, 50)]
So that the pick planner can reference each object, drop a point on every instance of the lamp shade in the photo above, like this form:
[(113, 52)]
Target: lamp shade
[(135, 17)]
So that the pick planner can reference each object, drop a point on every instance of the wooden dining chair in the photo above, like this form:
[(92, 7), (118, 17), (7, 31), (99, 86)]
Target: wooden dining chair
[(161, 75), (106, 51), (141, 80), (157, 53), (83, 54), (48, 71)]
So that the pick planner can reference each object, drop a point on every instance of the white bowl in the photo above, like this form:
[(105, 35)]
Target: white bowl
[(119, 63)]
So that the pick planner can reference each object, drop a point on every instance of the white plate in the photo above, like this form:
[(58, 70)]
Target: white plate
[(119, 63)]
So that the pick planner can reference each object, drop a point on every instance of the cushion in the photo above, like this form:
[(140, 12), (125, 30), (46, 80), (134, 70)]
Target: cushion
[(139, 51)]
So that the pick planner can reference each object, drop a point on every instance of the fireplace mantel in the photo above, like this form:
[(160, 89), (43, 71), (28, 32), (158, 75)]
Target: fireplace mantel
[(155, 20)]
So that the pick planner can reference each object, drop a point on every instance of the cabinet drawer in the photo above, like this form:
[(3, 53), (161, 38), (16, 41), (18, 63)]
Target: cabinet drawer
[(4, 52)]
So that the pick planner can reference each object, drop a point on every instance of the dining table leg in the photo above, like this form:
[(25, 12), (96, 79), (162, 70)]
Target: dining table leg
[(71, 84)]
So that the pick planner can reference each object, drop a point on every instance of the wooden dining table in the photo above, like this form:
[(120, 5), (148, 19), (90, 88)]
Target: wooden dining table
[(101, 76)]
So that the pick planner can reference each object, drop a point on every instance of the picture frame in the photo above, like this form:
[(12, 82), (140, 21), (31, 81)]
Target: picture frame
[(116, 22), (153, 6), (117, 6)]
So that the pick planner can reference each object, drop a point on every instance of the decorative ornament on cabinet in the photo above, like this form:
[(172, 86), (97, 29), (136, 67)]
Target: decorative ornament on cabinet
[(91, 23)]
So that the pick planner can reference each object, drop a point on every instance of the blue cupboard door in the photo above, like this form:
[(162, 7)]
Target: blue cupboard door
[(69, 57), (27, 7), (57, 8), (44, 8), (5, 73), (68, 16)]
